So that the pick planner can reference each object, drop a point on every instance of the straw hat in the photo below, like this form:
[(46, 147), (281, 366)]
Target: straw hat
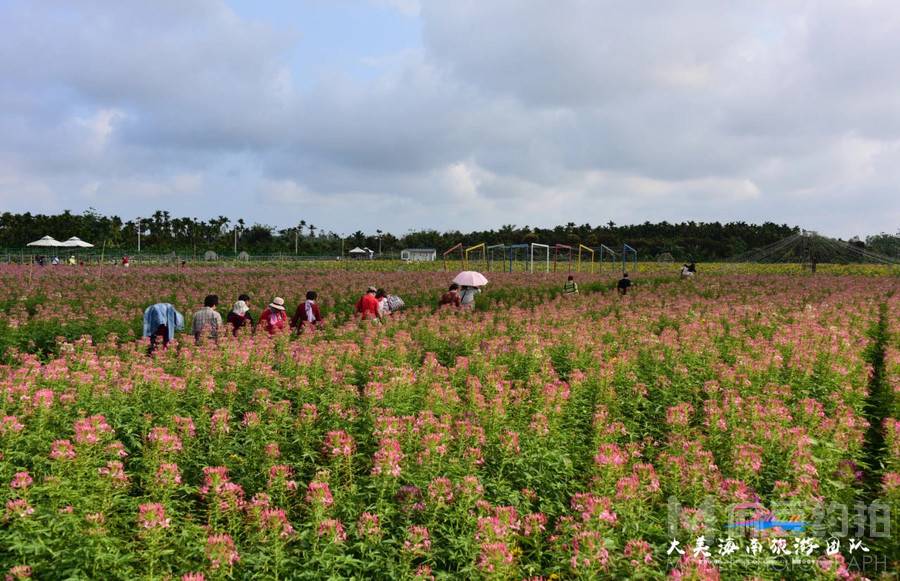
[(277, 304)]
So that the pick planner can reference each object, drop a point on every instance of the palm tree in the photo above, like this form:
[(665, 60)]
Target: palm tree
[(312, 230)]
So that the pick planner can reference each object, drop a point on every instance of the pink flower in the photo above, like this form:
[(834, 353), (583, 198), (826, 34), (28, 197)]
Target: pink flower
[(418, 541), (10, 425), (589, 551), (440, 490), (279, 475), (610, 455), (679, 415), (165, 441), (368, 526), (318, 494), (495, 557), (251, 420), (115, 471), (193, 577), (91, 430), (168, 474), (339, 443), (43, 399), (117, 449), (534, 524), (387, 459), (62, 450), (18, 507), (213, 479), (274, 520), (272, 450), (18, 573), (185, 426), (153, 516), (218, 423), (21, 480), (639, 551), (220, 551), (333, 530)]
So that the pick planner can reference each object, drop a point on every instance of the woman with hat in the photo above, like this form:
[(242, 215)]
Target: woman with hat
[(274, 319)]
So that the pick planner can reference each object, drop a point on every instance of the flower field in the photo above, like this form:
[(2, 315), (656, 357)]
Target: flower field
[(538, 436)]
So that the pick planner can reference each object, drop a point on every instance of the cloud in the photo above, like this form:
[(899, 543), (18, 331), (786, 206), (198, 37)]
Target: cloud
[(506, 111)]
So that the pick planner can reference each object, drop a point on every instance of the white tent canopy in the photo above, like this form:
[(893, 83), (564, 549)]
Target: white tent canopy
[(76, 242), (46, 242)]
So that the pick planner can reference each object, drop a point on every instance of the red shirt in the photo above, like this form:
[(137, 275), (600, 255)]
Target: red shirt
[(273, 320), (300, 317), (367, 306), (450, 298)]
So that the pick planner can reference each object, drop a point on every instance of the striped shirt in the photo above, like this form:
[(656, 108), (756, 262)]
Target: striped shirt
[(570, 287)]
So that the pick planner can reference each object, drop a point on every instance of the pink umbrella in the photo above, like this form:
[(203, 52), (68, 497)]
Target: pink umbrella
[(470, 278)]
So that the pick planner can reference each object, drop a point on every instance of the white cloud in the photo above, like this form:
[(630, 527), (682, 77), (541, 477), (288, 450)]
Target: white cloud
[(510, 111)]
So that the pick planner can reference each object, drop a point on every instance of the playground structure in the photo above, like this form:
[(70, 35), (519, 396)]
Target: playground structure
[(566, 251), (628, 251), (483, 259), (451, 252), (582, 247), (529, 257), (609, 255)]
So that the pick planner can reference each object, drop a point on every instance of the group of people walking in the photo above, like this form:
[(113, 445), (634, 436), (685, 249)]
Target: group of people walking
[(162, 320)]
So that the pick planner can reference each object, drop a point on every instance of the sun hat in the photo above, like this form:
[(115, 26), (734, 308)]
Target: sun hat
[(372, 289), (240, 307), (277, 303)]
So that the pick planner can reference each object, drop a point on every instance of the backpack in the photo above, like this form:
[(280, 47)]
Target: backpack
[(394, 303)]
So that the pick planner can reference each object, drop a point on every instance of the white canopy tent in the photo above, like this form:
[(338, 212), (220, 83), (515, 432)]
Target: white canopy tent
[(76, 242), (46, 242), (361, 253)]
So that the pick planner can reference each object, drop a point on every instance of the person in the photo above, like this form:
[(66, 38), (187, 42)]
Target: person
[(72, 260), (40, 260), (274, 318), (571, 287), (55, 261), (239, 317), (467, 296), (207, 319), (367, 307), (686, 271), (125, 261), (308, 313), (393, 304), (451, 297), (160, 322), (624, 284)]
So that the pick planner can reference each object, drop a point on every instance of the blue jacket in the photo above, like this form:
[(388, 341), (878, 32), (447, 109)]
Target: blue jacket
[(162, 314)]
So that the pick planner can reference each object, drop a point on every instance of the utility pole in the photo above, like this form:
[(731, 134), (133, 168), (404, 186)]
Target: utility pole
[(379, 243), (235, 240), (139, 233), (296, 238)]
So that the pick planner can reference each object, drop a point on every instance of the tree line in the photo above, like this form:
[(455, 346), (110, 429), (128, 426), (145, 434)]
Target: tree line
[(162, 233)]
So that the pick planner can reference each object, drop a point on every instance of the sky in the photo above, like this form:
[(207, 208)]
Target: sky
[(405, 115)]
